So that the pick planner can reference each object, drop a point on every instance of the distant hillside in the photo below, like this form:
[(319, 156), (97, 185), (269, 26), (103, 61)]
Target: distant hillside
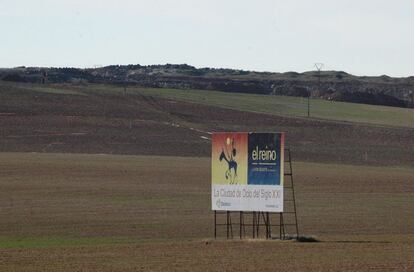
[(330, 85), (107, 119)]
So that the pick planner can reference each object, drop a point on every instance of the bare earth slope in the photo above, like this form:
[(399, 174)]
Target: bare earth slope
[(84, 120)]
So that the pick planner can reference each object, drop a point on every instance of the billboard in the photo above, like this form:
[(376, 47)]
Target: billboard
[(247, 171)]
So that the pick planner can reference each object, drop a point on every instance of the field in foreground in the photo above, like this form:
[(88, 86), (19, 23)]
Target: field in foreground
[(103, 212)]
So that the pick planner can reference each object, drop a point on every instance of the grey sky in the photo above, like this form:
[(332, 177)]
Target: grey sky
[(361, 37)]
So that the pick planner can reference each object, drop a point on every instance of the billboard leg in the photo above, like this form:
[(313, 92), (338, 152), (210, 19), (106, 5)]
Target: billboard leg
[(254, 224), (280, 226), (265, 216), (215, 224), (268, 234), (227, 223), (241, 224), (229, 226)]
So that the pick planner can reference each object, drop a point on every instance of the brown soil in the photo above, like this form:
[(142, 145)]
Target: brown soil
[(113, 124), (160, 207)]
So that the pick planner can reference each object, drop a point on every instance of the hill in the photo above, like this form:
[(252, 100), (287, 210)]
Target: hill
[(329, 85), (107, 119)]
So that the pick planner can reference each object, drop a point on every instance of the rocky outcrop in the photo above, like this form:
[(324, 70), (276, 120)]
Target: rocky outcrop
[(331, 85)]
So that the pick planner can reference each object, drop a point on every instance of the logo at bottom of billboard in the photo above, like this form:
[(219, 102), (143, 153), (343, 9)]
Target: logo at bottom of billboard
[(247, 171)]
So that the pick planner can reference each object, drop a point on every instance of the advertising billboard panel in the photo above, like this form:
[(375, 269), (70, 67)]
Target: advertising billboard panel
[(247, 171)]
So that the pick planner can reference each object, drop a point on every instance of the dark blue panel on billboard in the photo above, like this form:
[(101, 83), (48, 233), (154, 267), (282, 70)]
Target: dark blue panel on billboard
[(264, 159)]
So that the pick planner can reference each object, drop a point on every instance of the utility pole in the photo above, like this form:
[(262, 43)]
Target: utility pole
[(318, 67), (308, 100), (44, 77)]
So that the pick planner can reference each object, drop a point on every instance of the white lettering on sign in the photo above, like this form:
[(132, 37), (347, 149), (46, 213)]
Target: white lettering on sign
[(263, 154)]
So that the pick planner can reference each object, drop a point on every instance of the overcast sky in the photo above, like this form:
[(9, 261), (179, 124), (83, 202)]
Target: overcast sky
[(363, 37)]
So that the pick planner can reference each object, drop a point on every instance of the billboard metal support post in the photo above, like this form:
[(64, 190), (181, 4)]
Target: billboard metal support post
[(215, 224), (229, 225), (241, 224), (227, 222), (290, 201), (253, 224), (268, 229)]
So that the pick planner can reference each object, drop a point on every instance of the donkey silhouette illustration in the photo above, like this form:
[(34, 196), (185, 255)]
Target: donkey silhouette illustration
[(232, 164)]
